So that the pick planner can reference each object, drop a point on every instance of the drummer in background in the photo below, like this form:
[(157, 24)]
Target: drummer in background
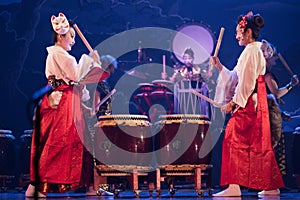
[(119, 100), (274, 94), (196, 75), (109, 63), (188, 71)]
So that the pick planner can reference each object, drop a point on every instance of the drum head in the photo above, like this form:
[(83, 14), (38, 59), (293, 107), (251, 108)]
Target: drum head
[(198, 37)]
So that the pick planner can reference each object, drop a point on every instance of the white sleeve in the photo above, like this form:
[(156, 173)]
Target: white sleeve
[(86, 63), (250, 65), (226, 83)]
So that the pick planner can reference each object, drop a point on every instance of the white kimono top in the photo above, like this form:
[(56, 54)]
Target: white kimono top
[(64, 66), (239, 84)]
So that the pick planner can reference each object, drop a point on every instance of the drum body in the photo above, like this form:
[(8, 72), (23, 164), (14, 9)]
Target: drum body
[(179, 139), (25, 147), (122, 139), (142, 97), (155, 93), (296, 151), (7, 152)]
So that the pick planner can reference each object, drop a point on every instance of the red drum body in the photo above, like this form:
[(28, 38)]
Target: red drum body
[(150, 94), (179, 139), (122, 139), (142, 97)]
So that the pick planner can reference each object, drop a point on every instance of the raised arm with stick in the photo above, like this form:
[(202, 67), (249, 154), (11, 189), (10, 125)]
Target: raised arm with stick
[(84, 40), (295, 80), (217, 46), (285, 64), (95, 74)]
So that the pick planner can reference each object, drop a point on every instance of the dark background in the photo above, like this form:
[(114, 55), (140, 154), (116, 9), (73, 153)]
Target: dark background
[(25, 33)]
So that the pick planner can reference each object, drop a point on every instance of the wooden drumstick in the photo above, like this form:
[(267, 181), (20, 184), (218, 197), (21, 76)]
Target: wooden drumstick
[(206, 98), (219, 41), (285, 64), (83, 38), (218, 44), (164, 63), (105, 98), (295, 117)]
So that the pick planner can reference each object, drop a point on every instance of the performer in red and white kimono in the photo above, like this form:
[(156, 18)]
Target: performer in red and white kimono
[(59, 125), (247, 155)]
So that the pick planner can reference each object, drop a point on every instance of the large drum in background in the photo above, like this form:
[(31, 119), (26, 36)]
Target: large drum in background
[(25, 147), (121, 139), (7, 152), (179, 138), (197, 36)]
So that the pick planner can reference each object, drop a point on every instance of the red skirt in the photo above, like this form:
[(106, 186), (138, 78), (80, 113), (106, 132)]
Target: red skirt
[(60, 150), (247, 155)]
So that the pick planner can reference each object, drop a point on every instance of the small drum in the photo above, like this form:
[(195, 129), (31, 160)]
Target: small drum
[(179, 139), (154, 93), (25, 147), (7, 152), (142, 97), (163, 95), (121, 139)]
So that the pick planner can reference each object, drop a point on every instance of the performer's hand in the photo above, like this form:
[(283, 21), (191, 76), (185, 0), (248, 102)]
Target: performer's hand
[(216, 62), (229, 108), (95, 56), (164, 75), (54, 98), (294, 80), (208, 74), (87, 111), (285, 116)]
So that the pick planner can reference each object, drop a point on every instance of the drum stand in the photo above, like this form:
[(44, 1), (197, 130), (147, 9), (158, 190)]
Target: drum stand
[(133, 173), (197, 171)]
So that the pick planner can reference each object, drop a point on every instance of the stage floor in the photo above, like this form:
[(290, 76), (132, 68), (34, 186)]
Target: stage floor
[(179, 194)]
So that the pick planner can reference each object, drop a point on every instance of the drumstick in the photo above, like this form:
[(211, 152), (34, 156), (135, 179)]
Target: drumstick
[(105, 98), (164, 63), (219, 41), (206, 98), (295, 117), (83, 38), (285, 64), (218, 44)]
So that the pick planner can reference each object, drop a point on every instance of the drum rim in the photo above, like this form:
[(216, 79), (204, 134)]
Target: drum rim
[(145, 84), (7, 135), (162, 81), (5, 131), (121, 117), (200, 119), (25, 135)]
